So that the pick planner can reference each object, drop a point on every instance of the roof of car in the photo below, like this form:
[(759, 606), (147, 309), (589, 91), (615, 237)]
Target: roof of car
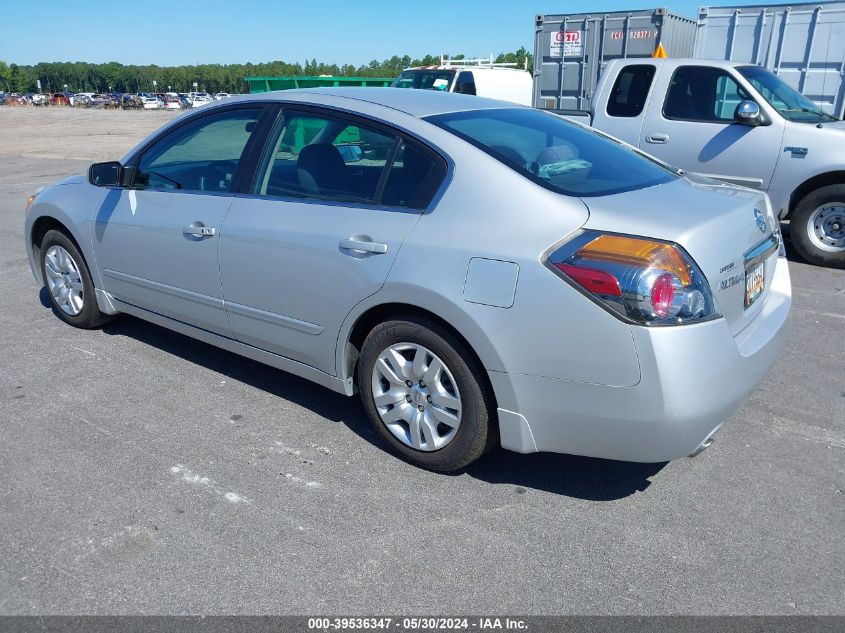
[(418, 103)]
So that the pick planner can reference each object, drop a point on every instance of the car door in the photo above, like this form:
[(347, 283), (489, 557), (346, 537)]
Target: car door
[(156, 241), (694, 127), (333, 200)]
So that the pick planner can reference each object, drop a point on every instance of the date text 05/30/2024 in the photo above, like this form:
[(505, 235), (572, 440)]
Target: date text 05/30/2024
[(416, 624)]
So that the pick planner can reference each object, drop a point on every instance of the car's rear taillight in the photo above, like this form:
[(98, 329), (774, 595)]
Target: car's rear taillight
[(645, 280)]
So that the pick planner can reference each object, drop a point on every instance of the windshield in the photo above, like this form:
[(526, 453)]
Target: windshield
[(425, 79), (790, 104), (555, 153)]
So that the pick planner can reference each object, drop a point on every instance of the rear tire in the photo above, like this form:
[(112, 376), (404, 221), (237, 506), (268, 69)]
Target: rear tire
[(69, 282), (817, 226), (454, 414)]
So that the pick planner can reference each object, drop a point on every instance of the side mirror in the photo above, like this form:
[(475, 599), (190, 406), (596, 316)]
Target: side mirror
[(748, 113), (105, 174)]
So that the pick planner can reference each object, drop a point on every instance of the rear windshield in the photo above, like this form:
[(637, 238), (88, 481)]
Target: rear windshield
[(554, 152)]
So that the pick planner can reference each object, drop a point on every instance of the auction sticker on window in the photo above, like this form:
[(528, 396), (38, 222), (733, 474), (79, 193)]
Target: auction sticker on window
[(566, 44)]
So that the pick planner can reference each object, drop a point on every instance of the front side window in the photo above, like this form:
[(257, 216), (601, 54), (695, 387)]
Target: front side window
[(703, 93), (629, 93), (199, 156), (554, 152)]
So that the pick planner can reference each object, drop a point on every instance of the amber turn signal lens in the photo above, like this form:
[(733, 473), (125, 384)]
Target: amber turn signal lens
[(637, 252)]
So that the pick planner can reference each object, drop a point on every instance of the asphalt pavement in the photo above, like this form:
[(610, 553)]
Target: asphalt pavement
[(145, 472)]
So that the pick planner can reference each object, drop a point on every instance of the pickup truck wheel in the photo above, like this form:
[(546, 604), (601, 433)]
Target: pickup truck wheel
[(424, 394), (817, 226)]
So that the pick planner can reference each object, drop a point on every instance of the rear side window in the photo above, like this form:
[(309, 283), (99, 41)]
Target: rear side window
[(414, 178), (320, 156), (628, 97), (702, 93), (553, 152), (324, 157)]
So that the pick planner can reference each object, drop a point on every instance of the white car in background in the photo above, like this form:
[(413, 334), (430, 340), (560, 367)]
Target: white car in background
[(221, 95), (201, 98), (172, 102), (481, 77), (150, 102), (83, 95)]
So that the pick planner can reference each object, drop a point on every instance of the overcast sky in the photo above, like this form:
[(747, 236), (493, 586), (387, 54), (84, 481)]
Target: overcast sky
[(174, 32)]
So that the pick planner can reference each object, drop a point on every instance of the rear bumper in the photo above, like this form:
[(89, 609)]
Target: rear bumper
[(694, 378)]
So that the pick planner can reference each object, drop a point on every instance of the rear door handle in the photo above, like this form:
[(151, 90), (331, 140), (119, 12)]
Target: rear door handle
[(363, 247), (657, 138), (198, 230)]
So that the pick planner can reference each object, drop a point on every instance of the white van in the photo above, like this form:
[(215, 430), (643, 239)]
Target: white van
[(479, 77)]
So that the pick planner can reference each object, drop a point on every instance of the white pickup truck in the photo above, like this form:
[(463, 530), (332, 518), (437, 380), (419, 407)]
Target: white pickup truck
[(737, 123)]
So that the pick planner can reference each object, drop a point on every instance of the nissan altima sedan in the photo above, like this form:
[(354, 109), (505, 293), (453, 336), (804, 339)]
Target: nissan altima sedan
[(479, 272)]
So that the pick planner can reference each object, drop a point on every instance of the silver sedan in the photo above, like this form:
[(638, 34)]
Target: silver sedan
[(481, 273)]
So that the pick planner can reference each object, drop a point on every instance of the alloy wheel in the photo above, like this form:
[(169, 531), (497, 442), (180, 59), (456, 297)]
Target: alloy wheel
[(64, 280)]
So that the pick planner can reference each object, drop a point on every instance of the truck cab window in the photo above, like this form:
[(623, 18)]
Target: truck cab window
[(465, 83), (628, 97), (702, 93)]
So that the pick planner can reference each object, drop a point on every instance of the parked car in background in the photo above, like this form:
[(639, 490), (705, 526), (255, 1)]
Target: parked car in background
[(131, 102), (501, 275), (150, 102), (737, 123), (81, 99), (2, 98), (172, 103), (99, 101), (201, 98), (17, 99), (60, 98), (221, 95), (40, 99), (479, 77)]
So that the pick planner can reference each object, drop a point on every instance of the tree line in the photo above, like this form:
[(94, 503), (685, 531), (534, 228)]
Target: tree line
[(115, 77)]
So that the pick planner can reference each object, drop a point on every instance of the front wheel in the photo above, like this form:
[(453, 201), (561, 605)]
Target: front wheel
[(817, 226), (69, 282), (425, 394)]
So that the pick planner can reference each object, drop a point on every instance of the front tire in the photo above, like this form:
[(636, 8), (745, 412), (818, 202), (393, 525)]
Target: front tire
[(68, 282), (426, 395), (817, 226)]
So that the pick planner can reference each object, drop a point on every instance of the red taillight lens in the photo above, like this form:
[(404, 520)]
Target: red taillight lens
[(596, 281), (663, 294), (645, 280)]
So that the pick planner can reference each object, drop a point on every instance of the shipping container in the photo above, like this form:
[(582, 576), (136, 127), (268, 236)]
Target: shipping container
[(570, 51), (804, 44)]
